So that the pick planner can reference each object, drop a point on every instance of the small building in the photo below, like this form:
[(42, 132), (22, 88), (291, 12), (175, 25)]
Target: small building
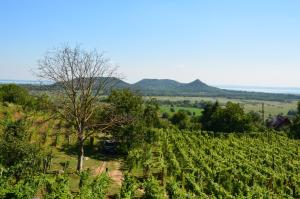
[(279, 122)]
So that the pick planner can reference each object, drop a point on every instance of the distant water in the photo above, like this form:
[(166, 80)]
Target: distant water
[(8, 81), (285, 90)]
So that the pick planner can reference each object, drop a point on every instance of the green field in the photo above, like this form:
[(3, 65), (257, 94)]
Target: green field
[(271, 107), (167, 109)]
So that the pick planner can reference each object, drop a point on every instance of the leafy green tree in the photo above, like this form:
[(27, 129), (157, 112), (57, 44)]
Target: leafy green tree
[(142, 116), (295, 127), (180, 119), (150, 114), (17, 154), (126, 102), (40, 103), (208, 110), (231, 118), (14, 94), (129, 105), (195, 123), (256, 122)]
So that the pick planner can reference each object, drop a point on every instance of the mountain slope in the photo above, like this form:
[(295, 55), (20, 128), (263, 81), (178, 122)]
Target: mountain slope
[(167, 87), (171, 87)]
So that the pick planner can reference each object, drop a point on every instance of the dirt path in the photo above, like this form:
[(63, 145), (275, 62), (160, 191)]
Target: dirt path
[(100, 169), (114, 171)]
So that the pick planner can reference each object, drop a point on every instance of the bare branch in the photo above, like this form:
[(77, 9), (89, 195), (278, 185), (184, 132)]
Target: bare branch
[(82, 77)]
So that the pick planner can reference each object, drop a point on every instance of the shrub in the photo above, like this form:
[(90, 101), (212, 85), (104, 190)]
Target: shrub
[(14, 94)]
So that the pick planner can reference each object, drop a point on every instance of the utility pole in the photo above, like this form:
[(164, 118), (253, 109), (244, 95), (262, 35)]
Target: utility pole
[(263, 112)]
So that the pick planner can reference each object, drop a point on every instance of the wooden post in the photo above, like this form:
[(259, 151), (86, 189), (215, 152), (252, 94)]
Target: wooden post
[(263, 112)]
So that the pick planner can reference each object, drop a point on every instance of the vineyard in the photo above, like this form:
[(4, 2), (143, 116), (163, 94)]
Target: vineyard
[(203, 165)]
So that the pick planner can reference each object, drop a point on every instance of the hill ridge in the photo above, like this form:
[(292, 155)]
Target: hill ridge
[(169, 87)]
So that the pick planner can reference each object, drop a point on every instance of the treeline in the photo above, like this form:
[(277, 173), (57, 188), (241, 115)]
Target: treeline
[(228, 118), (11, 93)]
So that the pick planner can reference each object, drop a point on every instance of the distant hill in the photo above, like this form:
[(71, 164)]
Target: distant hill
[(167, 87), (172, 87)]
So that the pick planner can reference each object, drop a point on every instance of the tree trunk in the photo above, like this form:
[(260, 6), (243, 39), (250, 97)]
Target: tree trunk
[(80, 153), (92, 139), (69, 139)]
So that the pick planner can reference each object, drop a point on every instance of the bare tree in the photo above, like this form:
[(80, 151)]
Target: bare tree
[(81, 76)]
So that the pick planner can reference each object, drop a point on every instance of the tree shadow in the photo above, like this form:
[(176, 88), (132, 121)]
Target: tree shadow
[(95, 151)]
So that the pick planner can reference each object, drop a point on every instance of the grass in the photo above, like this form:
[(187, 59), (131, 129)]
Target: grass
[(167, 109), (61, 156), (272, 108)]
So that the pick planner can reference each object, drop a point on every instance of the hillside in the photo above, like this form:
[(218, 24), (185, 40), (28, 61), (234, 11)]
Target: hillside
[(171, 87), (167, 87)]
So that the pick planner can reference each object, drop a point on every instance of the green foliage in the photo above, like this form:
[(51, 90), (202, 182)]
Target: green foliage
[(17, 154), (207, 115), (142, 116), (126, 102), (208, 165), (14, 94), (150, 114), (91, 188), (40, 103), (230, 166), (128, 187), (295, 127), (57, 187), (130, 106), (152, 189), (231, 118), (26, 188), (180, 119), (174, 191)]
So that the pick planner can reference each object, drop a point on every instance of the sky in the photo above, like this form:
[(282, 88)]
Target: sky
[(220, 42)]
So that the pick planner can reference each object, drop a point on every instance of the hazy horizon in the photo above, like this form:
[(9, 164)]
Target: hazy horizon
[(250, 88), (231, 42)]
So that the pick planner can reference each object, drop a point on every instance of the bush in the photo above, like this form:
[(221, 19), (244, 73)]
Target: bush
[(14, 94), (17, 154)]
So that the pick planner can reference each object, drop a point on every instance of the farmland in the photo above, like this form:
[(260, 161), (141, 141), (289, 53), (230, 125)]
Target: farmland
[(193, 164), (272, 108)]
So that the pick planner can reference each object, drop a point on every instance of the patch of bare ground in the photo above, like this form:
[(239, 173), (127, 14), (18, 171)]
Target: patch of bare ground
[(114, 171)]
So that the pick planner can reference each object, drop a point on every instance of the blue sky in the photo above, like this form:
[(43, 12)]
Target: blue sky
[(225, 42)]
